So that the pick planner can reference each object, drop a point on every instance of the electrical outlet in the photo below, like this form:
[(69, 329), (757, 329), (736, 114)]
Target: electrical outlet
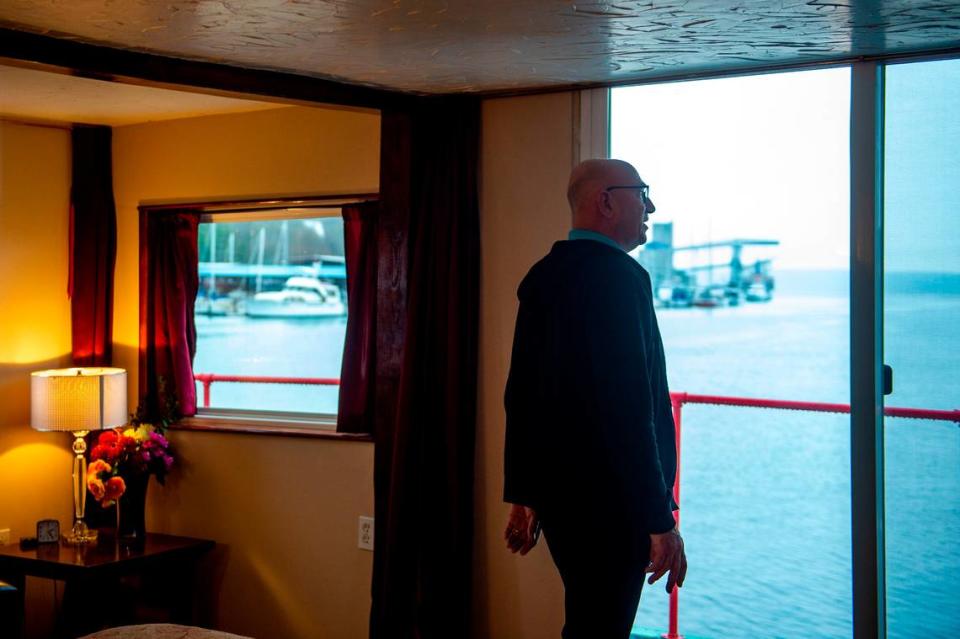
[(365, 536), (4, 536)]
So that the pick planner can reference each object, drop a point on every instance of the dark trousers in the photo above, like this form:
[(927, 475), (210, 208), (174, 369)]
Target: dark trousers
[(601, 561)]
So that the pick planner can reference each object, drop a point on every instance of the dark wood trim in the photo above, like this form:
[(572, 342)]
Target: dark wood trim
[(101, 62), (263, 203)]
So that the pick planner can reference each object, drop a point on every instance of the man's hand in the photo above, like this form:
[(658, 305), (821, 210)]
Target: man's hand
[(523, 529), (667, 555)]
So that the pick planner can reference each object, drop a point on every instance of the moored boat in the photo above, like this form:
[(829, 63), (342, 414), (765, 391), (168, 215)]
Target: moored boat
[(300, 297)]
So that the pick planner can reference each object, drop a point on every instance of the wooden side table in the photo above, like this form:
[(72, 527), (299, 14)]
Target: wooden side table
[(91, 571)]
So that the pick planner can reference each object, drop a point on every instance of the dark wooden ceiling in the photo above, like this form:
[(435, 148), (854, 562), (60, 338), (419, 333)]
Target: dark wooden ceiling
[(436, 46)]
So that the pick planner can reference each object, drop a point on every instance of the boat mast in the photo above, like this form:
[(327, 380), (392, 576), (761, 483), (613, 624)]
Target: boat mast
[(212, 282), (262, 241)]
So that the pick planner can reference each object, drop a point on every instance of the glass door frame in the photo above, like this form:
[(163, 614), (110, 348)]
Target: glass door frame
[(866, 349)]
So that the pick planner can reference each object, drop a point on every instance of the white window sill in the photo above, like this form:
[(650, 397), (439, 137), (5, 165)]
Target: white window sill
[(284, 424)]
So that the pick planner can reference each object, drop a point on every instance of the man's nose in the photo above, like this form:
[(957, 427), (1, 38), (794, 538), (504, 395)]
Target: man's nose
[(648, 205)]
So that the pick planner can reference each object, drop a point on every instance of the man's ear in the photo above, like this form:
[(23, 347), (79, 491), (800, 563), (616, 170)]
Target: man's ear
[(605, 204)]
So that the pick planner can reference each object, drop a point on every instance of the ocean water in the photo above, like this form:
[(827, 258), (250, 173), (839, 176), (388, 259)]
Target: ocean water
[(237, 345), (765, 495)]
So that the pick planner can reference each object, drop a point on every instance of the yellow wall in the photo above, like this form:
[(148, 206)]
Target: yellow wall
[(35, 467), (526, 159), (284, 510)]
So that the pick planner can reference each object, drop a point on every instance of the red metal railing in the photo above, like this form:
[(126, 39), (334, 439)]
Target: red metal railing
[(677, 399), (207, 379)]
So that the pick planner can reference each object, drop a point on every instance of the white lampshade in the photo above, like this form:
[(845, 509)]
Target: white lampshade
[(76, 399)]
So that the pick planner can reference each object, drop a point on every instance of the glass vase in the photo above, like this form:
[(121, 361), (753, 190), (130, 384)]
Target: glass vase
[(131, 509)]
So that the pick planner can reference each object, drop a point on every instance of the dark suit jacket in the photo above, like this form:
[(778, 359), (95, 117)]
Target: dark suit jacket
[(589, 420)]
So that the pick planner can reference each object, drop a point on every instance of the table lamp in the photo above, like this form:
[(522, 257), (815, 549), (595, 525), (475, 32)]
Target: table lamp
[(78, 400)]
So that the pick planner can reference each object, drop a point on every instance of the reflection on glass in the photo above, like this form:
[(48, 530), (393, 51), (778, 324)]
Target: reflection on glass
[(922, 344), (749, 257), (271, 303)]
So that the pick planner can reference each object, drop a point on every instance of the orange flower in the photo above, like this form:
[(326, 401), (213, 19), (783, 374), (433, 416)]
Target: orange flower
[(95, 486), (98, 466), (114, 487)]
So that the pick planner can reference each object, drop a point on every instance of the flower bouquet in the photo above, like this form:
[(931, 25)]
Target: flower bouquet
[(120, 455), (122, 461)]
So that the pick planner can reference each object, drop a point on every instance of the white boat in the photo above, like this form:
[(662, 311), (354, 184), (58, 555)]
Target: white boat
[(300, 297), (759, 292)]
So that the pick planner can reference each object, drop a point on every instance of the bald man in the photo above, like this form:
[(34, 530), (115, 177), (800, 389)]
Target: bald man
[(590, 454)]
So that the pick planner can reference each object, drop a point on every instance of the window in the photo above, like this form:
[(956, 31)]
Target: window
[(749, 260), (271, 314), (921, 313)]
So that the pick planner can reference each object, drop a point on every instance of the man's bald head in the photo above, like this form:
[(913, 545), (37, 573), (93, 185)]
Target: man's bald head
[(590, 177), (605, 197)]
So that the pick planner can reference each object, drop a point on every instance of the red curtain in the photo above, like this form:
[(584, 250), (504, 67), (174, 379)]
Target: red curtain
[(93, 246), (424, 456), (355, 413), (168, 290)]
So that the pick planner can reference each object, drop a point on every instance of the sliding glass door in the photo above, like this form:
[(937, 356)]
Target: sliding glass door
[(921, 316), (807, 523)]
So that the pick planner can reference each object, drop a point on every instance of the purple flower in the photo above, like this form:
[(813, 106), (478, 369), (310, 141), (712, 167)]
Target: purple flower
[(159, 439), (167, 461)]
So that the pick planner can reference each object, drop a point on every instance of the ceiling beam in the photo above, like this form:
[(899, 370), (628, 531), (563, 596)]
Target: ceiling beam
[(99, 62)]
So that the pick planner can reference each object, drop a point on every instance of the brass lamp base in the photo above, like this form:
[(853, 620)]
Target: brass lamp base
[(80, 534)]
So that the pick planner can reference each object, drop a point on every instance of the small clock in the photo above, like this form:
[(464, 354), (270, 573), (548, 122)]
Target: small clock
[(48, 531)]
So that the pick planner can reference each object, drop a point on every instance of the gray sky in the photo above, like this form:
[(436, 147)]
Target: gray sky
[(758, 157), (768, 157), (922, 162)]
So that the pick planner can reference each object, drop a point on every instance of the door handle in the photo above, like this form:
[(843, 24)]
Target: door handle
[(887, 380)]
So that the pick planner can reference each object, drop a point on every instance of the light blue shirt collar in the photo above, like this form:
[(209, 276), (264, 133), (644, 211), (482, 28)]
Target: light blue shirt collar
[(584, 234)]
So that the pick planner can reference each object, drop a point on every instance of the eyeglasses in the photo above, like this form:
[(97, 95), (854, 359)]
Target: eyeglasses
[(644, 189)]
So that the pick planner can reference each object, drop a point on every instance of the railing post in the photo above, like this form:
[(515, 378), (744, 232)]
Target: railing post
[(206, 390), (676, 399)]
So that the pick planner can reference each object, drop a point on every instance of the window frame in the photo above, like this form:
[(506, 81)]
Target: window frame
[(248, 421), (866, 311)]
